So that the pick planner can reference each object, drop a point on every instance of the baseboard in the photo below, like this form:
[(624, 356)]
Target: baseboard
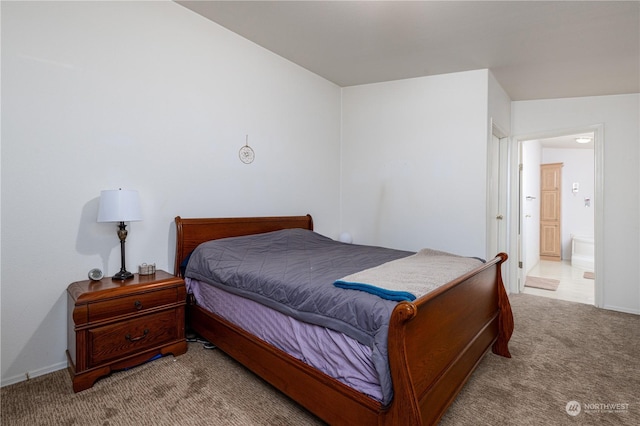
[(623, 310), (33, 374)]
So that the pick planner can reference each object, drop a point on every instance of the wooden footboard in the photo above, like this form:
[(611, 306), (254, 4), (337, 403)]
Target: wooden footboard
[(434, 344)]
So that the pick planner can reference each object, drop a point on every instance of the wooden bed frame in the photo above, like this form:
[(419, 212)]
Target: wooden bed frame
[(435, 342)]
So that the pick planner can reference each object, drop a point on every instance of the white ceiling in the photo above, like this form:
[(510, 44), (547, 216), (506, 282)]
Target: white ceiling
[(568, 141), (535, 49)]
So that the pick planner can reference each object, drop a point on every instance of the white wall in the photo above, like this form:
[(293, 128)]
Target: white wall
[(530, 202), (146, 96), (620, 117), (577, 218), (499, 105), (414, 163)]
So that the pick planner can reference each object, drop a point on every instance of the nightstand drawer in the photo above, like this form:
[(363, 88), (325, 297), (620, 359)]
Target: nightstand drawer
[(129, 337), (113, 308)]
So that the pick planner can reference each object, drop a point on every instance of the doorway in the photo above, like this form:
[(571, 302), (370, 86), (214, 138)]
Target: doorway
[(581, 215)]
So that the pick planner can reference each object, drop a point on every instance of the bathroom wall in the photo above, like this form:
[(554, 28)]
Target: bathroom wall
[(577, 213)]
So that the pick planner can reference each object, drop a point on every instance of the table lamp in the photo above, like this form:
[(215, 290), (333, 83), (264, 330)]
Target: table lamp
[(120, 205)]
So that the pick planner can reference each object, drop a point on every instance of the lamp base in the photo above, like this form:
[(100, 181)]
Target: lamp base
[(122, 275)]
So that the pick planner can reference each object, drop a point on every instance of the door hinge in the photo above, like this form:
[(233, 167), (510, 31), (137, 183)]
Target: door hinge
[(520, 265)]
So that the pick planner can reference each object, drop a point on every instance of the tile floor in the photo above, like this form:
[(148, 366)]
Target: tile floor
[(573, 286)]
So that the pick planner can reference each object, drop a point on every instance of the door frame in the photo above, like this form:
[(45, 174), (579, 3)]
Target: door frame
[(516, 245), (498, 194)]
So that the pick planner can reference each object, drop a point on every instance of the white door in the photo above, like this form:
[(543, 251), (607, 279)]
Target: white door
[(497, 233)]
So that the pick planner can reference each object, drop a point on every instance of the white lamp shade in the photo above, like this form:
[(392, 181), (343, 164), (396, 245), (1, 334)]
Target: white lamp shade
[(119, 205)]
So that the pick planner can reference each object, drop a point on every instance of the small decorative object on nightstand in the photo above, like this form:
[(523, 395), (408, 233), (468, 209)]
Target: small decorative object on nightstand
[(145, 269), (95, 274), (119, 324)]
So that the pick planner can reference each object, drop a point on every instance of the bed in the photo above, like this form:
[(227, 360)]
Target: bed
[(433, 343)]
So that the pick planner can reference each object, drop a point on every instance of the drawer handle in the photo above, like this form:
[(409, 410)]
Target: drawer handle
[(135, 339), (137, 304)]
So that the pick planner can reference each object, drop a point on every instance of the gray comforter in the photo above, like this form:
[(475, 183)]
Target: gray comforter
[(293, 271)]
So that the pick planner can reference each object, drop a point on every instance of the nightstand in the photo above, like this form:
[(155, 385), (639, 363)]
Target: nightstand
[(114, 325)]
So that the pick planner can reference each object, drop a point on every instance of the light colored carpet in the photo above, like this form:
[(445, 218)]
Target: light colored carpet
[(562, 352), (543, 283), (201, 387)]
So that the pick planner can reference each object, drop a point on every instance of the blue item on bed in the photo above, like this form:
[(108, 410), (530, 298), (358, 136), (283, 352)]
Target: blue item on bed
[(394, 295)]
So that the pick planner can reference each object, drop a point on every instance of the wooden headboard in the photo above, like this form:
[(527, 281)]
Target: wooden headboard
[(192, 232)]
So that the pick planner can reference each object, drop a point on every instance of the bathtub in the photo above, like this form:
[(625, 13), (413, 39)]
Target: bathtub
[(582, 252)]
